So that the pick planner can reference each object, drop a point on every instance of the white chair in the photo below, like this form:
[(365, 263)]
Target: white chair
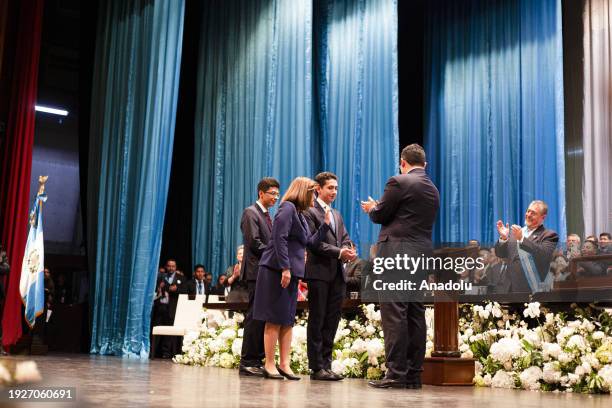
[(188, 317)]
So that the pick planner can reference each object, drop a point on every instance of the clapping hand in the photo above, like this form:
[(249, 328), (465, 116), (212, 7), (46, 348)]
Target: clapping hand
[(517, 232), (367, 206), (503, 230)]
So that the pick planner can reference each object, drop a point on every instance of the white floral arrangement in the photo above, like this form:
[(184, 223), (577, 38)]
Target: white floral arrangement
[(557, 353), (18, 372)]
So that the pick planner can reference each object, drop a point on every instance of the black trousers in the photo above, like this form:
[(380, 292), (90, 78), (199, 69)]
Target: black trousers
[(405, 336), (324, 310), (252, 342)]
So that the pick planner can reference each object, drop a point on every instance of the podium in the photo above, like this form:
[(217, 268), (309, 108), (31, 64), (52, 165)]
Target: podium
[(445, 366)]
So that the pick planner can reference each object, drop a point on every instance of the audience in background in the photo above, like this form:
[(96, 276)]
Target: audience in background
[(590, 268), (196, 285), (605, 243), (572, 246), (232, 272), (169, 284), (220, 288)]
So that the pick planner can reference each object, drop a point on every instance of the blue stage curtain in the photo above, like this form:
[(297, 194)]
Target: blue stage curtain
[(358, 103), (494, 117), (253, 114), (134, 102)]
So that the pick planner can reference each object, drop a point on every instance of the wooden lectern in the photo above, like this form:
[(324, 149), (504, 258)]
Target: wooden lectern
[(445, 366)]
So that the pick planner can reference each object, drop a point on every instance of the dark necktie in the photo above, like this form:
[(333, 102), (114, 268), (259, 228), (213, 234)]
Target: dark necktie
[(268, 219), (200, 288)]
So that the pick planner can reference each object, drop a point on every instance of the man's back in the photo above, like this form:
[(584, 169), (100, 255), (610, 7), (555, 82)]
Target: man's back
[(408, 208)]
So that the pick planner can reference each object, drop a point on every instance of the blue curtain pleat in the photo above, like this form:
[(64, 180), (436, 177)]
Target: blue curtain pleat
[(132, 132), (264, 110), (358, 102), (253, 114), (494, 113)]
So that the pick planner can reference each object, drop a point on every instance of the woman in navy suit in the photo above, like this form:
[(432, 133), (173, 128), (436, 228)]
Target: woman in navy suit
[(280, 268)]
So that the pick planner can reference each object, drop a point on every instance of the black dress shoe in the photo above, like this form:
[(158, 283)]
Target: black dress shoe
[(387, 383), (336, 376), (250, 371), (271, 376), (287, 375), (323, 375)]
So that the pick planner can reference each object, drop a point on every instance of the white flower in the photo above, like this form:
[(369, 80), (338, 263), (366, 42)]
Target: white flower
[(370, 330), (502, 379), (606, 375), (564, 333), (26, 371), (551, 373), (338, 366), (375, 347), (587, 325), (217, 345), (506, 349), (237, 346), (530, 378), (299, 336), (238, 317), (226, 360), (574, 324), (550, 350), (598, 335), (240, 332), (565, 358), (359, 346), (550, 318), (532, 310), (576, 341), (228, 334), (496, 310)]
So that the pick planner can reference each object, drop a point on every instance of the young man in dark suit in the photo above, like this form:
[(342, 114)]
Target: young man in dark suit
[(326, 278), (256, 227), (528, 249), (196, 285), (406, 211)]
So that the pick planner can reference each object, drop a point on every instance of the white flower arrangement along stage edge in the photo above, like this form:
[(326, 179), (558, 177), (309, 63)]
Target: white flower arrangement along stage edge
[(559, 352)]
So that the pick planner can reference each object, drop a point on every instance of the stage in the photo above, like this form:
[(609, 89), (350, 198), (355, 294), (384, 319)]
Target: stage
[(112, 381)]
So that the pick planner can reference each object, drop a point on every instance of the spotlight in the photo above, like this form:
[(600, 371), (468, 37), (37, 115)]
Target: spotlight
[(53, 111)]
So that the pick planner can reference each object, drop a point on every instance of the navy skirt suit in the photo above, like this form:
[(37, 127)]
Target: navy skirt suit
[(285, 250)]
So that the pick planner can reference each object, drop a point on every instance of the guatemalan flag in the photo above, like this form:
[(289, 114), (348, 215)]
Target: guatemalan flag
[(32, 283)]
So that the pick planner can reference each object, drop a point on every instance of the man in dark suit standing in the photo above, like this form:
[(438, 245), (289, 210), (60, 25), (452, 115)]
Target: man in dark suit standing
[(256, 227), (406, 211), (169, 285), (326, 278), (528, 249)]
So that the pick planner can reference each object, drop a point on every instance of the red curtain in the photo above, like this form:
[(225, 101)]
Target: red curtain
[(17, 160)]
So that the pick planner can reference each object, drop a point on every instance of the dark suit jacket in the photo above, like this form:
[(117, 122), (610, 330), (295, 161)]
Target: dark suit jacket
[(407, 209), (541, 244), (290, 236), (191, 289), (256, 234), (323, 263)]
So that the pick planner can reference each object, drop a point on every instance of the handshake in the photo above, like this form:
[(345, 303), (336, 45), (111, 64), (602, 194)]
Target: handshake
[(348, 254)]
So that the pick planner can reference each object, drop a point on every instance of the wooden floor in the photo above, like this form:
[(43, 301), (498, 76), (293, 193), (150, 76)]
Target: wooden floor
[(116, 382)]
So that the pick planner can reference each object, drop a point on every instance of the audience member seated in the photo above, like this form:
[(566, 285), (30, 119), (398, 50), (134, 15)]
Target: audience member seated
[(196, 285), (208, 278), (559, 269), (590, 268), (572, 246), (232, 273), (605, 243), (592, 238), (220, 288)]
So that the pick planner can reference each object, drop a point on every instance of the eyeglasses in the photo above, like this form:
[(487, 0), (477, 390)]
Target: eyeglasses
[(273, 194)]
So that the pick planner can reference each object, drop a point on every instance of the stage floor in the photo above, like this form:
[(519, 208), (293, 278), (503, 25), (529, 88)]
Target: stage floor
[(116, 382)]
